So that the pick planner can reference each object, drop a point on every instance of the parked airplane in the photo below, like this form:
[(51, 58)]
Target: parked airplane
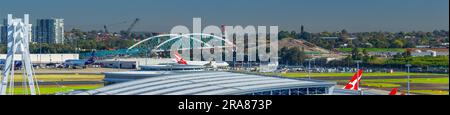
[(79, 63), (17, 64), (212, 64)]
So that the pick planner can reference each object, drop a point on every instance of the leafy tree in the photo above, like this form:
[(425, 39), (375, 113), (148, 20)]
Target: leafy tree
[(424, 41), (292, 56), (355, 54), (398, 43), (283, 55)]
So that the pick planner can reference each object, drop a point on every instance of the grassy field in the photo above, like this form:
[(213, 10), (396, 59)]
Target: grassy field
[(379, 85), (374, 49), (443, 80), (387, 82), (430, 92), (63, 77), (52, 89), (297, 75), (395, 83), (425, 61)]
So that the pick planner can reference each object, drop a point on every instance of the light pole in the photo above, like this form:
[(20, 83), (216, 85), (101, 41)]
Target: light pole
[(249, 55), (260, 60), (309, 68), (408, 65), (259, 57), (119, 62), (234, 58), (357, 64), (249, 63), (357, 69)]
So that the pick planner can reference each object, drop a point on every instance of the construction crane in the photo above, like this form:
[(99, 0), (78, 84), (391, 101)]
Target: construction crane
[(127, 32), (131, 27)]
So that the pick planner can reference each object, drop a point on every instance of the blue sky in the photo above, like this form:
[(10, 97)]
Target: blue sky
[(315, 15)]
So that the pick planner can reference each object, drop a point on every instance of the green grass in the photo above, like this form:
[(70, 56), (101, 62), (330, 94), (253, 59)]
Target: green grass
[(379, 85), (421, 61), (443, 80), (63, 77), (52, 89), (430, 92), (386, 83), (374, 49), (395, 83), (374, 74)]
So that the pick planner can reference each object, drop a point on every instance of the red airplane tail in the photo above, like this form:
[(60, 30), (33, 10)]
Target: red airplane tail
[(179, 59), (394, 91), (353, 84)]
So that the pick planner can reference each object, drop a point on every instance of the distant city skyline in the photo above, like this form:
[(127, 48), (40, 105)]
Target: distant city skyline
[(315, 15)]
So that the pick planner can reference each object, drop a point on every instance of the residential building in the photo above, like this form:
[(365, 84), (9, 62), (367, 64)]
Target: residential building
[(49, 31)]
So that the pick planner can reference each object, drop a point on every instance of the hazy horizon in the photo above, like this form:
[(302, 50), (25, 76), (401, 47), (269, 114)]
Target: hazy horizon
[(315, 15)]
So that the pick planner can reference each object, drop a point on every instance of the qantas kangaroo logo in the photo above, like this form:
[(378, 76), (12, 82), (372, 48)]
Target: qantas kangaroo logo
[(353, 84)]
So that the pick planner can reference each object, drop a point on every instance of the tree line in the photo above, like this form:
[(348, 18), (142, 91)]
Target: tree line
[(77, 46), (331, 40)]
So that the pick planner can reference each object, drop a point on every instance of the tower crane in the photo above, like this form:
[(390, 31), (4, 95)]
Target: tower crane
[(127, 32)]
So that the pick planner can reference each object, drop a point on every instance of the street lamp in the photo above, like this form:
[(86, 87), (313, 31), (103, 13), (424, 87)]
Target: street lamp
[(249, 55), (309, 68), (249, 63), (357, 63), (408, 65), (357, 67), (118, 58)]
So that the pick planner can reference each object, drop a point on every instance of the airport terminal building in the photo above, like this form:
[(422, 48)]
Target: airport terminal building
[(216, 83)]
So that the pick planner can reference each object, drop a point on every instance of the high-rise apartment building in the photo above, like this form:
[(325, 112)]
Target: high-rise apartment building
[(4, 32), (49, 31)]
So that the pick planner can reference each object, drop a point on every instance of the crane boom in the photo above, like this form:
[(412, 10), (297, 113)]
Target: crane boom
[(131, 26)]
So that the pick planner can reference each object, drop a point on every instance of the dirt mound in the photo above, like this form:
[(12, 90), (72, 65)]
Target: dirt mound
[(309, 47)]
